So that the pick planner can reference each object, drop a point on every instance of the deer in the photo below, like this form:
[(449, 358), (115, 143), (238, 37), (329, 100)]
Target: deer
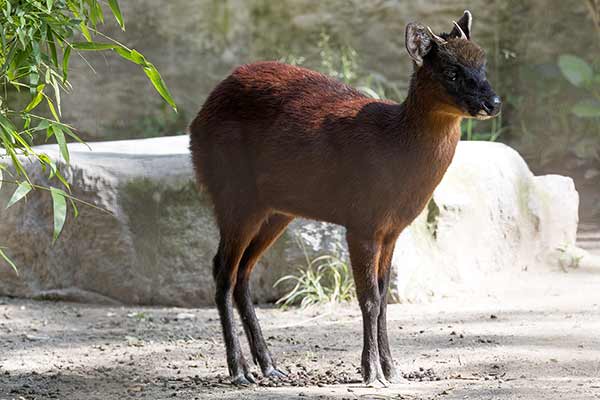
[(273, 142)]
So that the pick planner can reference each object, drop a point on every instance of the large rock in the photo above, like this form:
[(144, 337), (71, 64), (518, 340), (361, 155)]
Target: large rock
[(489, 220), (155, 239), (152, 244)]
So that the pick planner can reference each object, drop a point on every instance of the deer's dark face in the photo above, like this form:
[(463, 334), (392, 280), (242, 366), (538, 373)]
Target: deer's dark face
[(459, 65), (456, 68)]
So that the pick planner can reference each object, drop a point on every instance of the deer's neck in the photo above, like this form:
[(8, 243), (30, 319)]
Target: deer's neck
[(428, 118), (430, 132)]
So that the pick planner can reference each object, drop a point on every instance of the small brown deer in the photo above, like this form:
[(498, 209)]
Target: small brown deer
[(275, 141)]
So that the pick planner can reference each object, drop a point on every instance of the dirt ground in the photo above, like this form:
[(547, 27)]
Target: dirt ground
[(537, 339)]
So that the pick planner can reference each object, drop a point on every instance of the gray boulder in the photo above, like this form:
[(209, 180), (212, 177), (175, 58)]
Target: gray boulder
[(152, 242), (490, 220), (154, 239)]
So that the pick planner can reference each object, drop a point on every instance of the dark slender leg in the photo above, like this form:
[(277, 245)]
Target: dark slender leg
[(385, 355), (269, 232), (364, 256), (235, 237)]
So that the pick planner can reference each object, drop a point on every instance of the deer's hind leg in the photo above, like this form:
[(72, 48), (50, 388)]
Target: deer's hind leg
[(237, 231), (270, 230)]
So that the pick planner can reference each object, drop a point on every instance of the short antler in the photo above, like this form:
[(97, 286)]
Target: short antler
[(439, 40), (462, 33)]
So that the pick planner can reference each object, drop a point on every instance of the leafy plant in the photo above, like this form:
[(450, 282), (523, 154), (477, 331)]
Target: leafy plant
[(342, 62), (470, 129), (324, 279), (580, 74), (37, 40)]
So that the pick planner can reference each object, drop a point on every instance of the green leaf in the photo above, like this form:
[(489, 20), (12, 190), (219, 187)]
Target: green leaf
[(59, 206), (37, 98), (587, 108), (114, 6), (93, 46), (8, 260), (85, 31), (72, 134), (75, 209), (49, 4), (7, 125), (95, 12), (64, 182), (52, 46), (56, 88), (22, 190), (60, 139), (43, 125), (575, 69), (131, 55), (369, 92), (65, 63), (20, 141), (159, 84), (52, 109), (16, 163)]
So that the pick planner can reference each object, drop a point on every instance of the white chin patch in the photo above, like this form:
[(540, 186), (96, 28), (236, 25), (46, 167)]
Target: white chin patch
[(483, 115)]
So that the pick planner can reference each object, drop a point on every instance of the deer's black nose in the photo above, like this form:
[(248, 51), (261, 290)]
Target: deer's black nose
[(492, 105)]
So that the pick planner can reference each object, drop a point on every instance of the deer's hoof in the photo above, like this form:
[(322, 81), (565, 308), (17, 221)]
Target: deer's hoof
[(373, 376), (244, 380), (274, 373)]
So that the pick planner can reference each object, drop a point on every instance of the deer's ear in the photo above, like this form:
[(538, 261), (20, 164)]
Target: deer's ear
[(464, 24), (418, 42)]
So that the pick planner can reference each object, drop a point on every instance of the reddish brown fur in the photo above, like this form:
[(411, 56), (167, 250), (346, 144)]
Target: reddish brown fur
[(294, 141), (275, 141)]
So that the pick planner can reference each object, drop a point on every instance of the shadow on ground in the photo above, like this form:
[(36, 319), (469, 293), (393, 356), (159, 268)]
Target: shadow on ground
[(529, 344)]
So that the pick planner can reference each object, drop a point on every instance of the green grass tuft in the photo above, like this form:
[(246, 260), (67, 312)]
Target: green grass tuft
[(324, 279)]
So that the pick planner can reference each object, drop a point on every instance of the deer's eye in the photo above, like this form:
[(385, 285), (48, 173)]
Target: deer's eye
[(451, 75)]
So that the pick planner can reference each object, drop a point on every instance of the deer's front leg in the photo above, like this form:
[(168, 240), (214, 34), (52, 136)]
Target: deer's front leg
[(383, 274), (364, 256)]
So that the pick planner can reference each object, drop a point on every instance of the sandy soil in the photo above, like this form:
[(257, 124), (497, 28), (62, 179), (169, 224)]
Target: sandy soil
[(539, 339)]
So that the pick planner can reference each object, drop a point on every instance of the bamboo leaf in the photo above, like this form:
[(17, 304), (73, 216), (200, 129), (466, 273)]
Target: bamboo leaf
[(85, 31), (56, 88), (72, 134), (51, 107), (93, 46), (75, 209), (65, 63), (8, 261), (65, 183), (20, 192), (131, 55), (62, 143), (52, 47), (43, 125), (114, 6), (159, 84), (7, 125), (37, 98), (59, 206)]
